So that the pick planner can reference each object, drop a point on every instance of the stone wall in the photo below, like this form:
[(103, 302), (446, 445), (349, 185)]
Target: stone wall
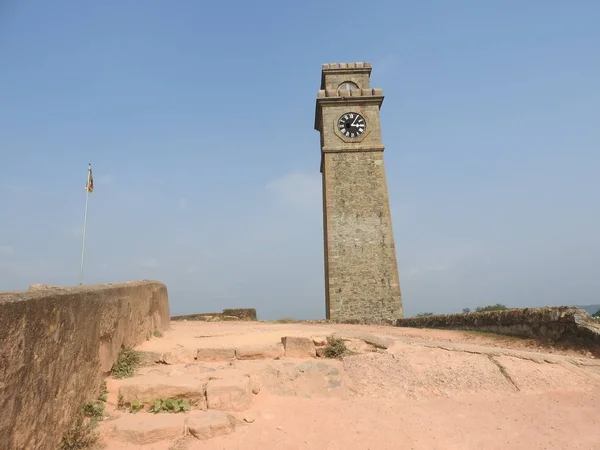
[(55, 346), (226, 315), (560, 324)]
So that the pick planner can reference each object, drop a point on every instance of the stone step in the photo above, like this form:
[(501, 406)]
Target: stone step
[(227, 389), (144, 389), (148, 428), (289, 346)]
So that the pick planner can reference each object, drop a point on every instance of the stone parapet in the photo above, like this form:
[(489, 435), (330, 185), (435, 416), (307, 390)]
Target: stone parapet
[(56, 345), (567, 325)]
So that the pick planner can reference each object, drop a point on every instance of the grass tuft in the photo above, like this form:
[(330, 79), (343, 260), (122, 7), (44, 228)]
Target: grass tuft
[(127, 361), (336, 348)]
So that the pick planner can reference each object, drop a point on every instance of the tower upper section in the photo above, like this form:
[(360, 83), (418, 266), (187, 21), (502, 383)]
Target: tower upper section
[(345, 83)]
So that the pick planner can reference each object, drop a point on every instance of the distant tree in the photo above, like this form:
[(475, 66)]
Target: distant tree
[(466, 310), (596, 314), (425, 314), (496, 307)]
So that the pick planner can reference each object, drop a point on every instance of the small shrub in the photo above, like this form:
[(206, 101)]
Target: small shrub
[(127, 362), (496, 307), (424, 314), (336, 348), (466, 310), (84, 435), (170, 405), (286, 320), (103, 395), (158, 333), (596, 315), (120, 402), (94, 410)]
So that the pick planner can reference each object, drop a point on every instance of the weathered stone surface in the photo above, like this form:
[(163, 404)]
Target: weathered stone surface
[(142, 429), (149, 358), (198, 368), (306, 366), (298, 347), (215, 354), (229, 394), (145, 390), (254, 385), (558, 324), (319, 340), (56, 343), (178, 356), (375, 340), (260, 351), (209, 424)]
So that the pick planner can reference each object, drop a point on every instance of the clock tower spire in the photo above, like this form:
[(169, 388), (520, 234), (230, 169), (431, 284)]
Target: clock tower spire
[(361, 271)]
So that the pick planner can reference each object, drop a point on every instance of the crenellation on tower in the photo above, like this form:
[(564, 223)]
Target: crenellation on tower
[(361, 273)]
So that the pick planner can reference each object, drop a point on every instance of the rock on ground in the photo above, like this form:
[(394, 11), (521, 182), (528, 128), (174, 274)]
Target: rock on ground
[(144, 429), (229, 394), (209, 424), (215, 354), (298, 347), (260, 351)]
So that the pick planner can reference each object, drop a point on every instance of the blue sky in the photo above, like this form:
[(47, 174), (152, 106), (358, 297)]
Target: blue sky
[(198, 117)]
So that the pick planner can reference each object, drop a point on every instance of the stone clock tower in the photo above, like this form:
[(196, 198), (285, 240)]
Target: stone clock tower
[(361, 272)]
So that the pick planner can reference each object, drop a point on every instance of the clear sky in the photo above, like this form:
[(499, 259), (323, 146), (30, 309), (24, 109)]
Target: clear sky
[(198, 117)]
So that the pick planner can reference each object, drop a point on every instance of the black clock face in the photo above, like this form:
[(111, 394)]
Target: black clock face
[(352, 125)]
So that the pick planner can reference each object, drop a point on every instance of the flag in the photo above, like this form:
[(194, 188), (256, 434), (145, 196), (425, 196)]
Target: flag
[(90, 183)]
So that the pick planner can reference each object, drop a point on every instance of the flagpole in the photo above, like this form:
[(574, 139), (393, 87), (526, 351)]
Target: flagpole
[(87, 195)]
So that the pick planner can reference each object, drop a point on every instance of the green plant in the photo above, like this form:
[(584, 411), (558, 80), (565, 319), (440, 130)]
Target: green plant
[(136, 406), (83, 435), (425, 314), (103, 395), (127, 361), (170, 405), (120, 402), (496, 307), (466, 310), (336, 348), (94, 410), (596, 315), (158, 333)]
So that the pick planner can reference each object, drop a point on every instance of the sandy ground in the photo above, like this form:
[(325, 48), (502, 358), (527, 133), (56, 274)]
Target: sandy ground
[(431, 389)]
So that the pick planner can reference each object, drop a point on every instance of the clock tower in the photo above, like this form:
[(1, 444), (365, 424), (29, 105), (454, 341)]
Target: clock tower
[(361, 271)]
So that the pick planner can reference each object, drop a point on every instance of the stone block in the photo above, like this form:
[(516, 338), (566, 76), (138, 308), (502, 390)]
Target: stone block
[(375, 340), (145, 390), (215, 354), (143, 429), (319, 341), (298, 347), (260, 351), (178, 356), (229, 394), (209, 424)]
